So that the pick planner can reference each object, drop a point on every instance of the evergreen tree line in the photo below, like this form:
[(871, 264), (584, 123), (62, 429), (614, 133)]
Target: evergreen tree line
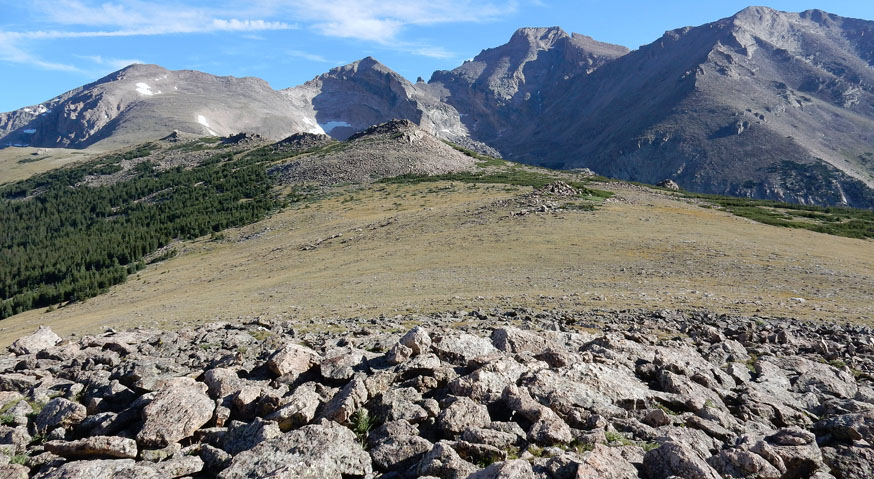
[(62, 242)]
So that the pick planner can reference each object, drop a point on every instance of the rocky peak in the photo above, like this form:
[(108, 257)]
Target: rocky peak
[(390, 127), (366, 64), (538, 38)]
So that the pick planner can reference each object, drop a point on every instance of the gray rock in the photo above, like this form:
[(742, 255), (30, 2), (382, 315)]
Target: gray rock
[(59, 412), (348, 400), (175, 413), (222, 382), (849, 427), (417, 339), (341, 364), (399, 453), (401, 403), (514, 341), (214, 459), (319, 451), (14, 471), (442, 461), (672, 459), (43, 338), (462, 414), (547, 427), (292, 359), (604, 461), (94, 447), (93, 469), (300, 408), (178, 466), (242, 436), (850, 461), (462, 348), (515, 469)]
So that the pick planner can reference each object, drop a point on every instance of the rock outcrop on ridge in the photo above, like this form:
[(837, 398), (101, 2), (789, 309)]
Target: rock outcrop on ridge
[(394, 148), (508, 394)]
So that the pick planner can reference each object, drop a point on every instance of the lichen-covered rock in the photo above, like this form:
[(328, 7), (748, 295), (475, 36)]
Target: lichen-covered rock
[(348, 400), (673, 459), (442, 461), (461, 349), (299, 409), (603, 461), (399, 453), (93, 469), (401, 403), (320, 451), (341, 364), (59, 412), (417, 339), (515, 469), (547, 428), (43, 338), (222, 382), (175, 413), (462, 414), (14, 471), (292, 359), (242, 436), (94, 447), (178, 467)]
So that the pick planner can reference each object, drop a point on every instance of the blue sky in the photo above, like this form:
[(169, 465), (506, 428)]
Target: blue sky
[(48, 47)]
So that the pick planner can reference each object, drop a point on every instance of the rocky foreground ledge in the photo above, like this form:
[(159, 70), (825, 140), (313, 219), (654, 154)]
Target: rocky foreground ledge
[(500, 394)]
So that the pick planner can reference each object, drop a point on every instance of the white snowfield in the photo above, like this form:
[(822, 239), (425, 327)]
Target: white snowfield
[(37, 110), (203, 121), (145, 89)]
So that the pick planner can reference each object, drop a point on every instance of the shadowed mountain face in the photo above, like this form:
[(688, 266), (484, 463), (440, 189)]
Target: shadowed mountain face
[(765, 104), (503, 88)]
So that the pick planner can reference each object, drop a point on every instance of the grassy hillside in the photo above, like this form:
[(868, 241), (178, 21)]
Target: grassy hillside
[(437, 246), (409, 243)]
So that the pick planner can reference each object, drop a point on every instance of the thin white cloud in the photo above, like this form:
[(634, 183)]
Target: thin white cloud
[(78, 19), (11, 53), (307, 56), (382, 21), (112, 63)]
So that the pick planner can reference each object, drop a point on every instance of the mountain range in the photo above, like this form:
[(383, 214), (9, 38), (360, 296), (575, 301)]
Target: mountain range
[(763, 104)]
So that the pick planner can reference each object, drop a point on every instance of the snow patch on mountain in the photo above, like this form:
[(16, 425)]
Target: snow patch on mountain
[(203, 121), (144, 89)]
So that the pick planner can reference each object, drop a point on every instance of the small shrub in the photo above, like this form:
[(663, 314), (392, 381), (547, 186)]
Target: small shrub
[(361, 424)]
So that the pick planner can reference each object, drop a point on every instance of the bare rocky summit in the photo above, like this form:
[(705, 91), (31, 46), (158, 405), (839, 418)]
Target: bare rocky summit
[(394, 148), (510, 393)]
